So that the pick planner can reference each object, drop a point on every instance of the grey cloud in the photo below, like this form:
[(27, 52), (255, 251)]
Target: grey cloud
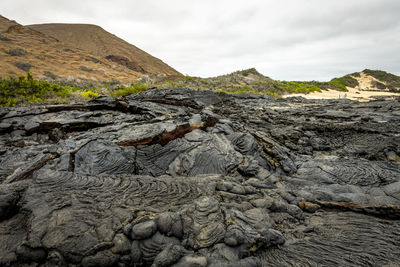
[(287, 39)]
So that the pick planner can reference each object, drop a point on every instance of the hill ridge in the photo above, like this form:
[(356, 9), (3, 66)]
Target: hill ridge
[(24, 49), (99, 42)]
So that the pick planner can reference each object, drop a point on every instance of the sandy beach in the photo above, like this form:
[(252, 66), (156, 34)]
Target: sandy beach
[(352, 94)]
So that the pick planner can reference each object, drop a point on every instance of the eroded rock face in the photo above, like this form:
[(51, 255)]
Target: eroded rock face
[(186, 178)]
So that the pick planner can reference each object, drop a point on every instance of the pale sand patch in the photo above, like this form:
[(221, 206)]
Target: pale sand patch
[(365, 83), (365, 91), (352, 94)]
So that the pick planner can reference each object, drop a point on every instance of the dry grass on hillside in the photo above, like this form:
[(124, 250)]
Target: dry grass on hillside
[(23, 49), (103, 44)]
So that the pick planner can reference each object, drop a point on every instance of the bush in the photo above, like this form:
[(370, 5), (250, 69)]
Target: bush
[(3, 38), (239, 90), (94, 60), (84, 68), (188, 78), (44, 57), (341, 83), (296, 87), (392, 81), (378, 85), (133, 89), (89, 94), (25, 89), (382, 75), (249, 71), (50, 75), (114, 82), (16, 52), (23, 66), (337, 85)]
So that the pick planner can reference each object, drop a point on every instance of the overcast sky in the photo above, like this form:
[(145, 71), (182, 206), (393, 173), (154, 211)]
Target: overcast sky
[(285, 39)]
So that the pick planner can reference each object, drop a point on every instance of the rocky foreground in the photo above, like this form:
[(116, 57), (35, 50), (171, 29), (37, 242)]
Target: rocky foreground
[(185, 178)]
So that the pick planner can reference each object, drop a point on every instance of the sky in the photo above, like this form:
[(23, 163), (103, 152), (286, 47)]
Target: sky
[(285, 39)]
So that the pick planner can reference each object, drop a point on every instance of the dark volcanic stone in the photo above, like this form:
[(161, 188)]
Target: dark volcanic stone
[(196, 178), (169, 223), (143, 230), (171, 254)]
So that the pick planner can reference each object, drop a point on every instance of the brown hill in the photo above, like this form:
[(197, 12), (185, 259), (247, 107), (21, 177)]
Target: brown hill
[(103, 44), (24, 49)]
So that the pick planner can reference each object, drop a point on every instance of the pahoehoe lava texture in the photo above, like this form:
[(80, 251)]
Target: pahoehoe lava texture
[(194, 178)]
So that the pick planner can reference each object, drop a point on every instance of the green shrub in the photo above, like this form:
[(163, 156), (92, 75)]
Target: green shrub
[(114, 82), (89, 94), (249, 71), (188, 78), (84, 68), (133, 89), (338, 84), (94, 60), (16, 52), (392, 81), (239, 90), (378, 85), (50, 75), (3, 38), (341, 83), (382, 75), (296, 87), (44, 57), (23, 66), (25, 89)]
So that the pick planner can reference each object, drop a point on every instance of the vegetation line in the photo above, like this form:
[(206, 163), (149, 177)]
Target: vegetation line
[(26, 90)]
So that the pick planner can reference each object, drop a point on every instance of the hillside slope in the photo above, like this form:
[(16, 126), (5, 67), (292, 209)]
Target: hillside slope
[(23, 49), (378, 80), (365, 84), (103, 44)]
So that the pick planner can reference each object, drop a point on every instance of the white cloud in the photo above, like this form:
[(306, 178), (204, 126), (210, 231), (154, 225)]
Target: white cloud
[(287, 39)]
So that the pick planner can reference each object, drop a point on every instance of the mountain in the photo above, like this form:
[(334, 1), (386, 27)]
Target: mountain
[(76, 53), (24, 49), (103, 44)]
